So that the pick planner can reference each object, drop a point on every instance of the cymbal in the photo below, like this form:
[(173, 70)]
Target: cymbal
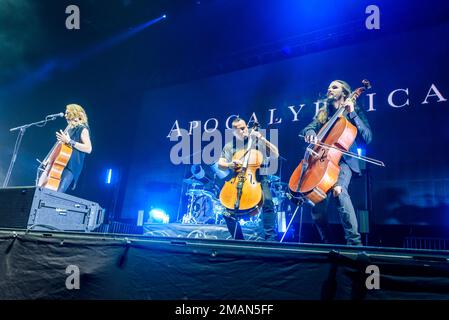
[(280, 183), (280, 194), (273, 178), (279, 186), (192, 182), (200, 193)]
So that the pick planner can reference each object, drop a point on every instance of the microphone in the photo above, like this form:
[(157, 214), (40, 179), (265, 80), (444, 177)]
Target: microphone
[(61, 114)]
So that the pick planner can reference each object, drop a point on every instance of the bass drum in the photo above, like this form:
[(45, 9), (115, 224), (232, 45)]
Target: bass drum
[(207, 210)]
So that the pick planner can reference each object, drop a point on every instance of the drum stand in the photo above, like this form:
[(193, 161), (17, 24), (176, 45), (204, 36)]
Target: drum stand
[(188, 218), (216, 214)]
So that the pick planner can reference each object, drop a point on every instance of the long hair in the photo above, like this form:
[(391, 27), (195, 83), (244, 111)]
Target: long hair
[(76, 112), (323, 113)]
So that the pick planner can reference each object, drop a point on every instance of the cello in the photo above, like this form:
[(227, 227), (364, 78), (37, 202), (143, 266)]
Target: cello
[(242, 194), (54, 164), (318, 171)]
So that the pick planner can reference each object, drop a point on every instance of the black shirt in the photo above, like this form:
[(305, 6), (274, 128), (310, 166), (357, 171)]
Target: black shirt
[(358, 119), (232, 147), (76, 161)]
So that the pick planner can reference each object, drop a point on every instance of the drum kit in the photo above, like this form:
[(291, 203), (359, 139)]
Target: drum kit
[(279, 191), (204, 207)]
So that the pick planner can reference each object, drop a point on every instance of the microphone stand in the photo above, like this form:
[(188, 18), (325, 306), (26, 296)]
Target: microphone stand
[(22, 130)]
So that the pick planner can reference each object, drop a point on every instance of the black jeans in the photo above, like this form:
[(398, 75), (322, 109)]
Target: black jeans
[(344, 207), (66, 180), (268, 217)]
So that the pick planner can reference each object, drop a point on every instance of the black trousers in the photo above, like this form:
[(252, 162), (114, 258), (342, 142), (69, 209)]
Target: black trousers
[(268, 217), (345, 210)]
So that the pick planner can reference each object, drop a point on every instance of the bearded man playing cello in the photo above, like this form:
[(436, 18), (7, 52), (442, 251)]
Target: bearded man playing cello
[(337, 96)]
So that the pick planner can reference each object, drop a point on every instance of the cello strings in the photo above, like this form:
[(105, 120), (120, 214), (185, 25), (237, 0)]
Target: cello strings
[(367, 159)]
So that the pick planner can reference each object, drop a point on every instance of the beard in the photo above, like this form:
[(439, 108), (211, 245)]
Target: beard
[(331, 97)]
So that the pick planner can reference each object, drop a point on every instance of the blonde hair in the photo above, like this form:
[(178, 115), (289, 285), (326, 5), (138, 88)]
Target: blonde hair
[(323, 113), (76, 112)]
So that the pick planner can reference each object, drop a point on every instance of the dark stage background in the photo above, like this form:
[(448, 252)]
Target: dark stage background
[(411, 189), (212, 59)]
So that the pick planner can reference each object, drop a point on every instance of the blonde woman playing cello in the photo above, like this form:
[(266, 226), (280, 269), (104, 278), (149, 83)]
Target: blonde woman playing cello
[(76, 140)]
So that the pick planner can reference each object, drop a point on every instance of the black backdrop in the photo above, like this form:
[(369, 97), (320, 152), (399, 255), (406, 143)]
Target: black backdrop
[(411, 140)]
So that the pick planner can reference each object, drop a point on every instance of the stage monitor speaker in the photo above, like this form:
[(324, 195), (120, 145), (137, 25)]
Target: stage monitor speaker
[(43, 209)]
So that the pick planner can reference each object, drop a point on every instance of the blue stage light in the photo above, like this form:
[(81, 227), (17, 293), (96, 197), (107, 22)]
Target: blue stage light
[(360, 151), (281, 221), (109, 176), (164, 16), (158, 216)]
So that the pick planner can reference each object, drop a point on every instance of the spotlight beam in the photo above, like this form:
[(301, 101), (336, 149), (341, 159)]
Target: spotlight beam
[(45, 70), (111, 42)]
